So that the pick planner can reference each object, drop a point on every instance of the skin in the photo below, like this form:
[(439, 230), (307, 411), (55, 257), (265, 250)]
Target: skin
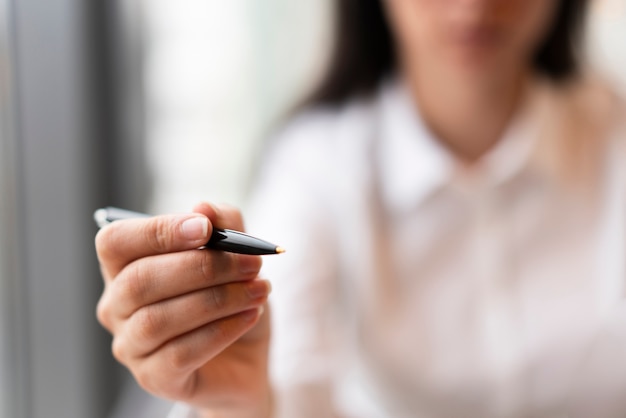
[(466, 62), (187, 322)]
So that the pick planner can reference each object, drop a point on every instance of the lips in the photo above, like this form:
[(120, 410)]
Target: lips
[(476, 36)]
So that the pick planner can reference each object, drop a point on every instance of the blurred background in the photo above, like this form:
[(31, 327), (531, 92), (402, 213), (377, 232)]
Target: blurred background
[(151, 105)]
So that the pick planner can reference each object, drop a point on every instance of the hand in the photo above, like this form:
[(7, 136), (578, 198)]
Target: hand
[(188, 323)]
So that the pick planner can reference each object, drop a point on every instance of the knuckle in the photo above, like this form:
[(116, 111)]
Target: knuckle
[(206, 265), (178, 357), (218, 297), (219, 331), (159, 235), (148, 323), (146, 380), (134, 282), (159, 386), (118, 349), (103, 313)]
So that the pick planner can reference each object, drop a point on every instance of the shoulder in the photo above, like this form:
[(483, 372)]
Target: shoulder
[(583, 123), (595, 112), (591, 104)]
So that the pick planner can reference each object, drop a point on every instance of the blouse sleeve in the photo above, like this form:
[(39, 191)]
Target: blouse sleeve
[(599, 389), (181, 410)]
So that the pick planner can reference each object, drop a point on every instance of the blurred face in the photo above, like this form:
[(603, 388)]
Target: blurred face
[(486, 38)]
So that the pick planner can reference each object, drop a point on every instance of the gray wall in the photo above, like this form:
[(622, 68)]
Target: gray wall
[(58, 145)]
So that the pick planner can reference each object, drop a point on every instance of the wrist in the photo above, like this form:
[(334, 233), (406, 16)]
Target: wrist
[(264, 409)]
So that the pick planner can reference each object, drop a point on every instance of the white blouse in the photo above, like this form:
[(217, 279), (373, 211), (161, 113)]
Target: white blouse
[(416, 286)]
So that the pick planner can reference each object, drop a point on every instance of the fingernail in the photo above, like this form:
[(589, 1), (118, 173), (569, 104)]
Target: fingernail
[(196, 228), (258, 288)]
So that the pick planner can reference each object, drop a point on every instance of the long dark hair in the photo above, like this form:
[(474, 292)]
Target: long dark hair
[(364, 50)]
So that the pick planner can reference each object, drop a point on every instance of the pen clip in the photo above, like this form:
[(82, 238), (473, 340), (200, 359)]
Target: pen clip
[(100, 216), (105, 216)]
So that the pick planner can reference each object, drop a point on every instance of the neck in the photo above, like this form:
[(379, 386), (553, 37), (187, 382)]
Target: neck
[(468, 116)]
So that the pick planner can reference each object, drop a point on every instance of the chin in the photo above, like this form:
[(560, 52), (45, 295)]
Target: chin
[(487, 63)]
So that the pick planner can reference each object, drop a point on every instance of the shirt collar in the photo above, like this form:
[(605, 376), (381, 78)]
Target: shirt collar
[(413, 164)]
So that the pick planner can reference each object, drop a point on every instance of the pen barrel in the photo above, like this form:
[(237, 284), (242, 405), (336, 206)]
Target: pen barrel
[(240, 243), (221, 239)]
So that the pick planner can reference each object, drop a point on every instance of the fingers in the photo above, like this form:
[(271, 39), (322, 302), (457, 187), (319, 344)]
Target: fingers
[(156, 278), (171, 307), (147, 278), (154, 325), (124, 241), (177, 359)]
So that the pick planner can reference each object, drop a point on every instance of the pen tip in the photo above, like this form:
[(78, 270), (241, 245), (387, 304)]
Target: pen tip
[(280, 250)]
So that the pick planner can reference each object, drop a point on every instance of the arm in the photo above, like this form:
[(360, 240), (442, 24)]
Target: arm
[(600, 382)]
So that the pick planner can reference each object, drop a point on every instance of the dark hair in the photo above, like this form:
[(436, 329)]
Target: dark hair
[(364, 50)]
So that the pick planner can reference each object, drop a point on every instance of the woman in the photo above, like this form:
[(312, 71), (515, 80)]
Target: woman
[(452, 204)]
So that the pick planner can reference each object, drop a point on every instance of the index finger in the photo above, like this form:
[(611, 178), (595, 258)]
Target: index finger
[(125, 241)]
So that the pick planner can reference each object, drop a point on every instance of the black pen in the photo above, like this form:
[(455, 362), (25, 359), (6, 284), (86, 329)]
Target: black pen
[(221, 239)]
